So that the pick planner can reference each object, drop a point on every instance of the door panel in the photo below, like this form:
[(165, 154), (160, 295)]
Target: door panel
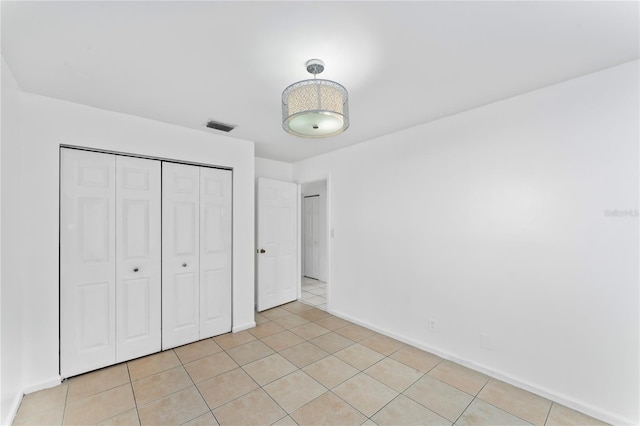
[(95, 229), (87, 261), (138, 251), (180, 260), (94, 316), (212, 304), (215, 252), (185, 292), (277, 243), (136, 311), (184, 228), (135, 220), (214, 224)]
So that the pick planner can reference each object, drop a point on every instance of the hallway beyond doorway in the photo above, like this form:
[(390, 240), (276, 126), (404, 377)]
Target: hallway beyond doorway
[(314, 293)]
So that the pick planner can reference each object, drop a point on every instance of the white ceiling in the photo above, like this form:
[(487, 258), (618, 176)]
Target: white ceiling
[(404, 63)]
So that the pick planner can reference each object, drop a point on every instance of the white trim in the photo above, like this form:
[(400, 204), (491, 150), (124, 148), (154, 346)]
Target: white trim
[(300, 242), (11, 416), (44, 385), (564, 400), (242, 327), (31, 389)]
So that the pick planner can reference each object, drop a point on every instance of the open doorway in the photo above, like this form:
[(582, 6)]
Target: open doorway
[(314, 244)]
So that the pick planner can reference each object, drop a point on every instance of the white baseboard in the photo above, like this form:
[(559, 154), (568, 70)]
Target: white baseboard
[(44, 385), (18, 398), (561, 399), (242, 327), (11, 415)]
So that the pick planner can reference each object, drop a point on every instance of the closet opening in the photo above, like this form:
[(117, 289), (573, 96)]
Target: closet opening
[(145, 256)]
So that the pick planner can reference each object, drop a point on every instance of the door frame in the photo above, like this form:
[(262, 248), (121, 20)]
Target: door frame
[(304, 236), (329, 231)]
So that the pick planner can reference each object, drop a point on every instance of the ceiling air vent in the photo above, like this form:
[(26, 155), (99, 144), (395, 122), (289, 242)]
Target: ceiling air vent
[(220, 126)]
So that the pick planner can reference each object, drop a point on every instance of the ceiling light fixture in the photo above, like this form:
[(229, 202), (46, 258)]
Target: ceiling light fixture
[(315, 108)]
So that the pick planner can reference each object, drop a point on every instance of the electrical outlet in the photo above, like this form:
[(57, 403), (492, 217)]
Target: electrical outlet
[(433, 324)]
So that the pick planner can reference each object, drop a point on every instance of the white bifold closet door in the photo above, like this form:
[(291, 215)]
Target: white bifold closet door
[(215, 252), (196, 269), (138, 257), (109, 259)]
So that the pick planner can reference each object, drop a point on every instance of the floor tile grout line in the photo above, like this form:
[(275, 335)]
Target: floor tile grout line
[(350, 405), (402, 392), (247, 373), (472, 400), (196, 386), (27, 417), (163, 396), (546, 419), (289, 374), (465, 409), (238, 367), (182, 364), (274, 400), (477, 396), (138, 406), (392, 399), (508, 412), (473, 397), (66, 399), (301, 368), (328, 355), (363, 371), (69, 381), (398, 396), (135, 400)]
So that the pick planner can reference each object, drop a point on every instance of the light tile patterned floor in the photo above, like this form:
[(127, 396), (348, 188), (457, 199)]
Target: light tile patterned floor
[(300, 365), (314, 293)]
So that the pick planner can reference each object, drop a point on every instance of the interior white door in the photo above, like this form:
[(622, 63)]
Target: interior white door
[(215, 251), (87, 261), (311, 236), (180, 254), (277, 243), (138, 257)]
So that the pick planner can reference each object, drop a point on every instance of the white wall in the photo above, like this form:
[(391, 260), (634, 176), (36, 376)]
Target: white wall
[(319, 188), (47, 123), (494, 221), (273, 169), (11, 321)]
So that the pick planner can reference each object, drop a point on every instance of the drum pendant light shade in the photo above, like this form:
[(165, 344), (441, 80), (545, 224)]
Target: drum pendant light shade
[(315, 108)]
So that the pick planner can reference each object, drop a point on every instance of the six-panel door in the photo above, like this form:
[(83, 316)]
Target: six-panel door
[(277, 243), (180, 254), (87, 261), (138, 257), (215, 252)]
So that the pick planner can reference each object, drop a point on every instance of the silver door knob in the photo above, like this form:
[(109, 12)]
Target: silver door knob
[(184, 265), (135, 269)]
